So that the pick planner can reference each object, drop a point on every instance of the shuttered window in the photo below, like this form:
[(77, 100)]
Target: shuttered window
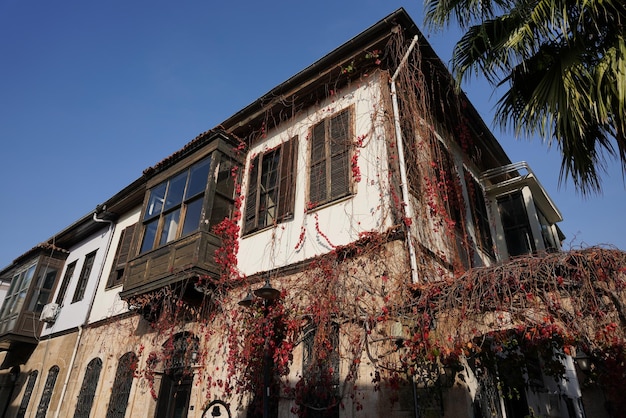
[(69, 272), (480, 216), (270, 197), (331, 147), (121, 386), (121, 256), (48, 388), (448, 183), (79, 293), (88, 389)]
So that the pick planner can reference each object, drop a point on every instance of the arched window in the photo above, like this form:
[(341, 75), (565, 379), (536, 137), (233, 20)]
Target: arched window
[(178, 377), (320, 371), (32, 378), (42, 409), (122, 385), (88, 389)]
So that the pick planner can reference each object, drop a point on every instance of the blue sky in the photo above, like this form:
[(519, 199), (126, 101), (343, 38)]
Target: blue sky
[(92, 93)]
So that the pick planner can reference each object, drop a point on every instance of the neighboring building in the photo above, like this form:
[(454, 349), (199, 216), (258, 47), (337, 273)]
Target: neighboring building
[(351, 174)]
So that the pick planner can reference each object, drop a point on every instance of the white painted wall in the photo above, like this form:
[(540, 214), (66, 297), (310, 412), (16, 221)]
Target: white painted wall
[(340, 222), (107, 302), (74, 314)]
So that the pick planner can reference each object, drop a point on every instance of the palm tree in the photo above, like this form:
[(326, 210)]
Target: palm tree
[(562, 67)]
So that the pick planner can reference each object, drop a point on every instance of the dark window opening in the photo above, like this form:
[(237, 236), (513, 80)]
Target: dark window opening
[(177, 381), (517, 232), (480, 215), (48, 388), (83, 279), (28, 392), (41, 295), (69, 272), (448, 184), (121, 257), (549, 240), (88, 389), (320, 370), (270, 197), (122, 385)]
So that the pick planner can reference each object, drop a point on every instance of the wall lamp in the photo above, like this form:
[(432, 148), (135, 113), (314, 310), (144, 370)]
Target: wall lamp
[(267, 293), (582, 360)]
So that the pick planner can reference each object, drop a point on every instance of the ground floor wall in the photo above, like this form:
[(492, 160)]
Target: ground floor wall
[(183, 361)]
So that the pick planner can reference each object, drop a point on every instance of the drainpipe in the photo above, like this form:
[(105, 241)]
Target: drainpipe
[(408, 210), (69, 371), (99, 210)]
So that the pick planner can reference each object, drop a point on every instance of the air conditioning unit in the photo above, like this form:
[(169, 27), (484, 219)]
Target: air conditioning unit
[(50, 312)]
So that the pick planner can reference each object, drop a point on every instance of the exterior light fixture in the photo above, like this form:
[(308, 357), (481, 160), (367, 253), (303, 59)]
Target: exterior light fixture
[(247, 301), (267, 292), (216, 408), (582, 361)]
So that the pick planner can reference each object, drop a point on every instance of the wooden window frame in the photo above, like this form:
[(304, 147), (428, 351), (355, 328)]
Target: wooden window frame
[(521, 224), (161, 218), (41, 293), (67, 277), (83, 279), (480, 215), (122, 253), (273, 181), (330, 157)]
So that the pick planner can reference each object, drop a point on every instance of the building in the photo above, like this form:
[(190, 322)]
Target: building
[(332, 198)]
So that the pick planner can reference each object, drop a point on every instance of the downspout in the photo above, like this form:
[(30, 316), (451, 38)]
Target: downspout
[(69, 371), (99, 209), (408, 210)]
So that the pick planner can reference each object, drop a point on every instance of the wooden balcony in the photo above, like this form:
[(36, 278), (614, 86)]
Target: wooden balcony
[(193, 255)]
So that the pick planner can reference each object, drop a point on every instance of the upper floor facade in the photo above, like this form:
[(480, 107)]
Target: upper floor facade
[(351, 146)]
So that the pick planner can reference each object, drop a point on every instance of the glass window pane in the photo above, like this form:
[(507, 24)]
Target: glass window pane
[(198, 178), (170, 227), (48, 282), (192, 217), (155, 203), (19, 301), (175, 191), (149, 235), (28, 277), (222, 208), (225, 179)]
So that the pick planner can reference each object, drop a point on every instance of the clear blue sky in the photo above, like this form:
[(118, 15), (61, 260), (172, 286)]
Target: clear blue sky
[(92, 93)]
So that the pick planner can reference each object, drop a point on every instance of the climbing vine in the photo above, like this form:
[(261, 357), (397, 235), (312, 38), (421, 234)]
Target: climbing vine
[(352, 318)]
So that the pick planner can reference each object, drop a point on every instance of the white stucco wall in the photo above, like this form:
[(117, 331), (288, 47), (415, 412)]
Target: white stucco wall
[(74, 314), (337, 223), (107, 302)]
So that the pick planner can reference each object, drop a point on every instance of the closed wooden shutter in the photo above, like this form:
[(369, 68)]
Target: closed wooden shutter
[(250, 220), (340, 147), (121, 257), (286, 194), (330, 175), (317, 171)]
